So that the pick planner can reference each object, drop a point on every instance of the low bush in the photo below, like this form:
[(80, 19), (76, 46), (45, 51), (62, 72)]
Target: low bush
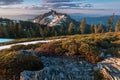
[(23, 47), (13, 63), (98, 75)]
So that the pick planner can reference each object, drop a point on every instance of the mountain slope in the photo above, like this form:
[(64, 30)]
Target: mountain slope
[(53, 18)]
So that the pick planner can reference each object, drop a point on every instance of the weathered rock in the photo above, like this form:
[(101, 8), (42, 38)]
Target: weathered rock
[(60, 68), (111, 68)]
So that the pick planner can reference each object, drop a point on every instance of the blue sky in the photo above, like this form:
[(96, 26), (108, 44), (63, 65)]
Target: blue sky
[(17, 7)]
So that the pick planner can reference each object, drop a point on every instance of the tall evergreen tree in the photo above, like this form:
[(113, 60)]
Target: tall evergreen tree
[(117, 27), (71, 28), (110, 23), (1, 31), (82, 26), (100, 28), (91, 28), (5, 30), (95, 29), (19, 29), (41, 31), (46, 31), (61, 30)]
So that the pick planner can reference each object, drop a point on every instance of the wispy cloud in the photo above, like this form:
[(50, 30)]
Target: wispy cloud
[(55, 1), (64, 4), (8, 2), (67, 6)]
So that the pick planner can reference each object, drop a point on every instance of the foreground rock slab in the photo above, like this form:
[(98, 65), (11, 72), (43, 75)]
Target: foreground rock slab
[(111, 68), (61, 68)]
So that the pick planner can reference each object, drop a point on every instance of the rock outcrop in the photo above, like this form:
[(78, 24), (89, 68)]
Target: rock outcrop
[(111, 68), (62, 68)]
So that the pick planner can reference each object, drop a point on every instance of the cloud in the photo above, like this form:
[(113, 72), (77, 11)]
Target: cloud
[(9, 2), (64, 4), (55, 1), (57, 5), (45, 4), (88, 5)]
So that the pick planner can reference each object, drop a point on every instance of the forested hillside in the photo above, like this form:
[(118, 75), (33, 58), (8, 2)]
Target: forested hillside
[(45, 27)]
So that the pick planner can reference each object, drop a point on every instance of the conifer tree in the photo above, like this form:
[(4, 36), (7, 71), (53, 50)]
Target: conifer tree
[(46, 31), (41, 31), (61, 30), (95, 29), (82, 26), (5, 30), (71, 28), (117, 27), (92, 28), (19, 29), (110, 23), (100, 29)]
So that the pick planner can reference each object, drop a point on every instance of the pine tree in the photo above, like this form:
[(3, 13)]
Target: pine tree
[(1, 31), (100, 29), (61, 30), (117, 28), (110, 23), (32, 32), (19, 29), (92, 28), (71, 28), (46, 31), (95, 29), (82, 26), (41, 31), (53, 31), (5, 30)]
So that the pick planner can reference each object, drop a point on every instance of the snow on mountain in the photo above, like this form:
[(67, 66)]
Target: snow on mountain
[(53, 18)]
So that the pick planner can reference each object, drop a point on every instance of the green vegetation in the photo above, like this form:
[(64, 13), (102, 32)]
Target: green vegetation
[(25, 29), (12, 63), (82, 26), (117, 28), (71, 29), (86, 46), (110, 24), (98, 75)]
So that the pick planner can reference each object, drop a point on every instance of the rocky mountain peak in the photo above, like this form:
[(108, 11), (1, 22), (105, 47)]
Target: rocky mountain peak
[(53, 18)]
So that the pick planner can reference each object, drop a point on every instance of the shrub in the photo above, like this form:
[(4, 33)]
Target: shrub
[(13, 63), (25, 47), (59, 51), (71, 47), (102, 43), (90, 53), (98, 75), (53, 48)]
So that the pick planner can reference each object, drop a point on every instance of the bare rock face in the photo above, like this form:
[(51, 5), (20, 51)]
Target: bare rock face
[(62, 68)]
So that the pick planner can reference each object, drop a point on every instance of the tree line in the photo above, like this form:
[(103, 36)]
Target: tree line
[(25, 29)]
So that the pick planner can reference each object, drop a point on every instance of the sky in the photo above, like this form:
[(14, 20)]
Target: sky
[(29, 7)]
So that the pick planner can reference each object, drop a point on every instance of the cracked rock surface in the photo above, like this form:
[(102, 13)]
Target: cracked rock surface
[(61, 68)]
